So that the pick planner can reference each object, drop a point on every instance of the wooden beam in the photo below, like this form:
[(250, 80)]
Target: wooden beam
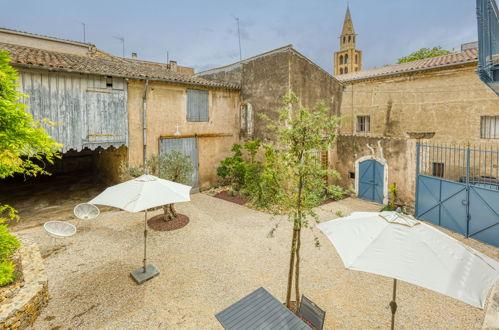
[(105, 134), (202, 135)]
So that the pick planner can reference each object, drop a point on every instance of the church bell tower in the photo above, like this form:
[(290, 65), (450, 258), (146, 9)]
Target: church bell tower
[(348, 59)]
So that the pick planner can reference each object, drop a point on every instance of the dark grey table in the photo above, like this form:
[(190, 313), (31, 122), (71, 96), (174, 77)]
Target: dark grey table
[(259, 310)]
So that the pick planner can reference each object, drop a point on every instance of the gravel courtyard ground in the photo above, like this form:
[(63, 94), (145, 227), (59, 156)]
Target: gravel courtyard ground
[(220, 256)]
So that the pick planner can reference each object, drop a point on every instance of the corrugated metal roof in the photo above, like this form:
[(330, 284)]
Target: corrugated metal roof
[(467, 56), (102, 64)]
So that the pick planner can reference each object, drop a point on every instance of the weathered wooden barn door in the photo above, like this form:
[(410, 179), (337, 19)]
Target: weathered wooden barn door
[(187, 146), (371, 180), (106, 115)]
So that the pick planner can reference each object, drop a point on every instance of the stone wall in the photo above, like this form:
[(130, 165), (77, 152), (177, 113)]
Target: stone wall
[(108, 162), (398, 154), (312, 84), (266, 78), (167, 107), (21, 306), (448, 101)]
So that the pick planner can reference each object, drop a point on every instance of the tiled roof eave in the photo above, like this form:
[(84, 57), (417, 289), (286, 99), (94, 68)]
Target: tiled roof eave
[(138, 77), (400, 73)]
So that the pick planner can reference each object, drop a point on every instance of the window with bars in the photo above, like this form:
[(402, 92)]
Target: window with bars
[(363, 123), (489, 127), (438, 170), (197, 105)]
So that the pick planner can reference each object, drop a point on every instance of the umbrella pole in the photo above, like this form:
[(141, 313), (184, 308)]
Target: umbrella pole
[(393, 304), (146, 272), (145, 241)]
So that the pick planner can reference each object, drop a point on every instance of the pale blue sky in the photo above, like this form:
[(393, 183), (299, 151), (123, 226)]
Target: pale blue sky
[(203, 34)]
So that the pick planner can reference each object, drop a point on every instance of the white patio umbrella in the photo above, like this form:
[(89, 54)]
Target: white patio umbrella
[(141, 194), (398, 246)]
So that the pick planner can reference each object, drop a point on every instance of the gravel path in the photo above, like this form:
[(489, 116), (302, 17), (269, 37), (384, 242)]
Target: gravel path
[(220, 256)]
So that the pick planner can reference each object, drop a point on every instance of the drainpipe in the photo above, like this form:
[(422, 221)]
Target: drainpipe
[(354, 123), (144, 124)]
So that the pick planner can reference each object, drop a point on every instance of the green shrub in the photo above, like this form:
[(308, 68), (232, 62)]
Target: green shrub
[(335, 192), (7, 274), (8, 243), (387, 208), (232, 169)]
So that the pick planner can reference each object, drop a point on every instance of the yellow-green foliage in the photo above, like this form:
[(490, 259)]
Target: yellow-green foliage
[(7, 274), (9, 243), (24, 144), (23, 141)]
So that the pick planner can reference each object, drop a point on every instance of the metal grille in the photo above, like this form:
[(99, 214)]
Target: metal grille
[(458, 188), (197, 105), (460, 164), (489, 127)]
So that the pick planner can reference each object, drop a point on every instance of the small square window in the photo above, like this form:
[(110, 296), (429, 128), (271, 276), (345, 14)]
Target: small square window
[(363, 124), (489, 127), (438, 170), (351, 175), (109, 82)]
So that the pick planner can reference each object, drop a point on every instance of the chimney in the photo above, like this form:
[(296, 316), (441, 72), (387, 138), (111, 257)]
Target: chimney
[(134, 55), (469, 45), (173, 65)]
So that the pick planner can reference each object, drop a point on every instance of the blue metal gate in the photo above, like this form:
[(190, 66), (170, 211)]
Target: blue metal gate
[(371, 180), (458, 188)]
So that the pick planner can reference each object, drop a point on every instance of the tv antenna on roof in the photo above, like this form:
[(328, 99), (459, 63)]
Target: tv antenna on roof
[(84, 36), (239, 38), (122, 43)]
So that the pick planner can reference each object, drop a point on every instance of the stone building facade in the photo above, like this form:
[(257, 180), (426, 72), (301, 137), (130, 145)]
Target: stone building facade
[(264, 79), (207, 140), (98, 102), (442, 96)]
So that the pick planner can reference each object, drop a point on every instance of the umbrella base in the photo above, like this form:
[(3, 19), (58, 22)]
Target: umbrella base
[(140, 276)]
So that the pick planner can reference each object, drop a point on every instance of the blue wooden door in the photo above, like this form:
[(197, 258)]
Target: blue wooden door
[(371, 180)]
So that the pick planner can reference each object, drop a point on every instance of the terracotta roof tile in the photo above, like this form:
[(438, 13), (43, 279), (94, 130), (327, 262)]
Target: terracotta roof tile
[(103, 64), (467, 56)]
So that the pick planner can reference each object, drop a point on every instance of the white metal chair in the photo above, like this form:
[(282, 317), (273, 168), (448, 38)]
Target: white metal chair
[(86, 211), (59, 229)]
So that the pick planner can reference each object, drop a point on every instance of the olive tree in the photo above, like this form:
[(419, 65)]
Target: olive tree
[(174, 166)]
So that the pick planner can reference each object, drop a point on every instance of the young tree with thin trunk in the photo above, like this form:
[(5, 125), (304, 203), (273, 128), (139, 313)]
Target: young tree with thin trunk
[(295, 172)]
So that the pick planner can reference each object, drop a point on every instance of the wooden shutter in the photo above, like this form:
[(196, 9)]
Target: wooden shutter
[(197, 105)]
